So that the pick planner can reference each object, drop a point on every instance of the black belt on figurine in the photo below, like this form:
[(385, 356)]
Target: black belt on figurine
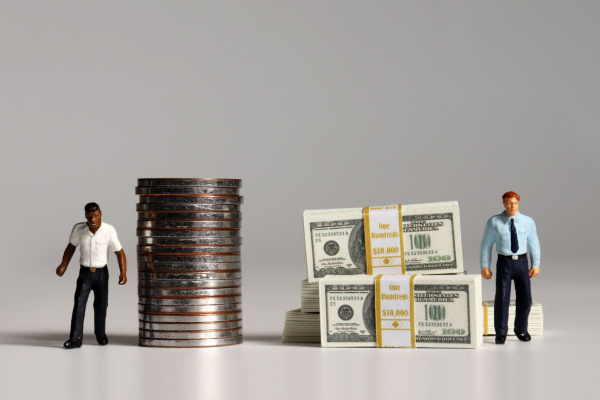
[(515, 257)]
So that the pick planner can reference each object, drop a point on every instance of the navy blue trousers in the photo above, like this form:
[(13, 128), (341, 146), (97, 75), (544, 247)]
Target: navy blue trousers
[(90, 281), (508, 270)]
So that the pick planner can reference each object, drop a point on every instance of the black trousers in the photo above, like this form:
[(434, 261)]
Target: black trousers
[(88, 281), (508, 270)]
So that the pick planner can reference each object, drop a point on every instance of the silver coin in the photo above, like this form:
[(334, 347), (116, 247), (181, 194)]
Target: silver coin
[(219, 257), (199, 199), (197, 319), (190, 276), (178, 224), (185, 190), (166, 326), (203, 284), (190, 343), (212, 308), (188, 267), (216, 182), (183, 292), (188, 207), (165, 249), (201, 241), (191, 335), (169, 258), (190, 301), (190, 216), (205, 309), (194, 314), (206, 232)]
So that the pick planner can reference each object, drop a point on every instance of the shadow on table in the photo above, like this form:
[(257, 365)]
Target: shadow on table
[(55, 339)]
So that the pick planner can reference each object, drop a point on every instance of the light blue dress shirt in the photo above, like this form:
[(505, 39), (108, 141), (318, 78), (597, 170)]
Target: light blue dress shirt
[(497, 230)]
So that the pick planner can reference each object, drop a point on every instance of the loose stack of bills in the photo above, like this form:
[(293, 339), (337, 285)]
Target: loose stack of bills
[(301, 327), (535, 324), (309, 301)]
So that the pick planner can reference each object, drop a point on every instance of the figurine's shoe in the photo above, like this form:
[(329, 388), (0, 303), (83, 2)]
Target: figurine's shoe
[(523, 337), (500, 339), (102, 339), (73, 343)]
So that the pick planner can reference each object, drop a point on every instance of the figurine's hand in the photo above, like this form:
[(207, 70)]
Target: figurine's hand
[(122, 279), (533, 272), (486, 273), (60, 271)]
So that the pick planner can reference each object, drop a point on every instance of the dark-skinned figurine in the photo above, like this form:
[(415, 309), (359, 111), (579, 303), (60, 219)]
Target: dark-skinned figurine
[(95, 239), (514, 235)]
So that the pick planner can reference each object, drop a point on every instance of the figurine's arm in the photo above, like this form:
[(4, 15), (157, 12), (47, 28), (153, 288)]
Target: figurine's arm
[(485, 254), (68, 254), (122, 260), (534, 249)]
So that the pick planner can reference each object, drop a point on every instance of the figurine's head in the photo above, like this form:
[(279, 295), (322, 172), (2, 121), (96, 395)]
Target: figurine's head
[(511, 203), (93, 215)]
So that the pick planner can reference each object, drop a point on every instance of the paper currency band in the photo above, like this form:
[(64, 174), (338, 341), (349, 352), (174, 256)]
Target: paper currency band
[(381, 342), (485, 319), (374, 218), (377, 299)]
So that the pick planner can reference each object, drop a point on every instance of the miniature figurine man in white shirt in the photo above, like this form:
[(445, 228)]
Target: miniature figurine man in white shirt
[(95, 238)]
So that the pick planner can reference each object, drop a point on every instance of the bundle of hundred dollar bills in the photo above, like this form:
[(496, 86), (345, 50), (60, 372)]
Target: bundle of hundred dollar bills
[(401, 311), (396, 239)]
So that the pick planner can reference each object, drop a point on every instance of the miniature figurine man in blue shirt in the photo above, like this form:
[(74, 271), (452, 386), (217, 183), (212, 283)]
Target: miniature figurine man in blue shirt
[(514, 234)]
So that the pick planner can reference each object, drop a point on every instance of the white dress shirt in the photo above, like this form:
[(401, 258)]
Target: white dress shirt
[(94, 247)]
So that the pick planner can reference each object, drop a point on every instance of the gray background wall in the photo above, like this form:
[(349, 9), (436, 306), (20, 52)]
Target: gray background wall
[(314, 105)]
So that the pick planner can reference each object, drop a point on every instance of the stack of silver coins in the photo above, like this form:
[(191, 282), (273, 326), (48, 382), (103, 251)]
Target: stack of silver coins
[(189, 262)]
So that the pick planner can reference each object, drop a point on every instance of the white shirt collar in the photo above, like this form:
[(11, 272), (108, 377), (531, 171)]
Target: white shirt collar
[(100, 228)]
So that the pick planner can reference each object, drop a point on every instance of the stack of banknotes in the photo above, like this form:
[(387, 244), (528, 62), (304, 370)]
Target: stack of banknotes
[(189, 262), (346, 249), (303, 325), (535, 323)]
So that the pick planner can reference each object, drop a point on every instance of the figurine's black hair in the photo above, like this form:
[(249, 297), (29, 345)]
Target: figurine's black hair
[(91, 207)]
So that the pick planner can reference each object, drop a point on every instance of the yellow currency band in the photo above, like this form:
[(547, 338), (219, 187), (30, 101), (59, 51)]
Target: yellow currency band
[(485, 319), (402, 258), (377, 306), (412, 305), (368, 248)]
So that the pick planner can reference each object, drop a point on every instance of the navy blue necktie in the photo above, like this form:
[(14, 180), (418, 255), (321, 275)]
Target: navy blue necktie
[(514, 241)]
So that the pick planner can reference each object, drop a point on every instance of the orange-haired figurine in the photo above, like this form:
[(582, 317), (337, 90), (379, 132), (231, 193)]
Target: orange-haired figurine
[(514, 234)]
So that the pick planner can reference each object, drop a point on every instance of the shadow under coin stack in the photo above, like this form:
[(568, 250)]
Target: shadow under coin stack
[(189, 262)]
